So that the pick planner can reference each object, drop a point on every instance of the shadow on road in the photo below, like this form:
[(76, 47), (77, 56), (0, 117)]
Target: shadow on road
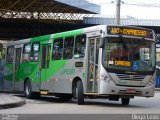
[(88, 102)]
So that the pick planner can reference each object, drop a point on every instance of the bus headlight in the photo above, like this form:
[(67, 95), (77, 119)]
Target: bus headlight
[(150, 82), (106, 78)]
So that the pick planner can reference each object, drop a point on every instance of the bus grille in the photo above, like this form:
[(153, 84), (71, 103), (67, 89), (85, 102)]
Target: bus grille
[(131, 77), (124, 92)]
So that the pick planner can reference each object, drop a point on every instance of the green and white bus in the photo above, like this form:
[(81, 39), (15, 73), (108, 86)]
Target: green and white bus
[(104, 61)]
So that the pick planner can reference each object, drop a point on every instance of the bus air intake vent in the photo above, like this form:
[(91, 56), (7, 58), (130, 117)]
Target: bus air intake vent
[(131, 77)]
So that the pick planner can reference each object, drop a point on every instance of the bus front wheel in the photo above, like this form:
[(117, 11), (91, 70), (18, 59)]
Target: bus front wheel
[(79, 93), (125, 101)]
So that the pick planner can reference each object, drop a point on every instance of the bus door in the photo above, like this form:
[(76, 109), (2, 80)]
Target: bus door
[(45, 59), (17, 60), (93, 56)]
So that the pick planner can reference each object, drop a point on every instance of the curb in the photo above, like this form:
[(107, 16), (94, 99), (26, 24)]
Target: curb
[(12, 105)]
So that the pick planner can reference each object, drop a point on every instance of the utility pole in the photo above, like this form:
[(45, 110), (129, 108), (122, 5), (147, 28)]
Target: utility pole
[(118, 12)]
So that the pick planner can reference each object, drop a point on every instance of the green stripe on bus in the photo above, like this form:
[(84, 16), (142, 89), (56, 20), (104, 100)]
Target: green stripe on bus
[(68, 34), (55, 66), (41, 38)]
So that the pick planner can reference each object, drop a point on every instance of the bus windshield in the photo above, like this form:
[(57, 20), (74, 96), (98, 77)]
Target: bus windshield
[(128, 54)]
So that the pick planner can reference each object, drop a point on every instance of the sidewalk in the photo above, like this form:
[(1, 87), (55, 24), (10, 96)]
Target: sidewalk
[(10, 101)]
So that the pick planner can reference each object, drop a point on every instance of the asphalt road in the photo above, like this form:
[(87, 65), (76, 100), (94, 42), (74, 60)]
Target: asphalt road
[(49, 107)]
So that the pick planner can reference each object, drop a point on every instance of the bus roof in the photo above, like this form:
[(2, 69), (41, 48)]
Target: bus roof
[(50, 37)]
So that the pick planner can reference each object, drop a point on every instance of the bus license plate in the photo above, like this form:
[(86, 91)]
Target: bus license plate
[(130, 91)]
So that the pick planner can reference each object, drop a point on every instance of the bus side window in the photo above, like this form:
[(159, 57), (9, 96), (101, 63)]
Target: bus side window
[(57, 49), (35, 52), (26, 52), (10, 54), (80, 44), (68, 48)]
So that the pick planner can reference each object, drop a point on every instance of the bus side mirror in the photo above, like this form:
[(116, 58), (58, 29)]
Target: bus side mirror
[(101, 42)]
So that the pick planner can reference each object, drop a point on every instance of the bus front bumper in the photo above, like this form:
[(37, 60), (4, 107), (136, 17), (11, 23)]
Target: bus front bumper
[(110, 89)]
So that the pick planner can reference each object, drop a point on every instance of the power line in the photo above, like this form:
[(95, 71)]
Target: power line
[(141, 4), (131, 2), (100, 2)]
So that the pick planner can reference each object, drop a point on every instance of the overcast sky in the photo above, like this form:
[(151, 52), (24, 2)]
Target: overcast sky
[(142, 9)]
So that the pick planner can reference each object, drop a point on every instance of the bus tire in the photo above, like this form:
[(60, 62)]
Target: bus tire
[(125, 101), (79, 92), (28, 89)]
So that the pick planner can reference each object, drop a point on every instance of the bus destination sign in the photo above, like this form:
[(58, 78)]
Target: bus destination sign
[(129, 31)]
